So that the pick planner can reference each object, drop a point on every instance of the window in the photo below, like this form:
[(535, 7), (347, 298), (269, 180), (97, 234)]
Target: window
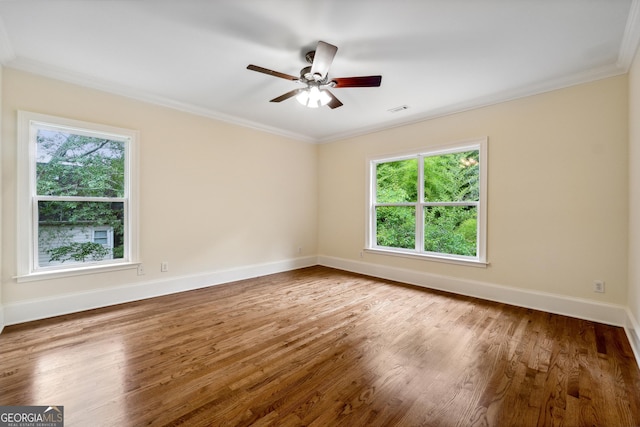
[(430, 204), (100, 237), (77, 201)]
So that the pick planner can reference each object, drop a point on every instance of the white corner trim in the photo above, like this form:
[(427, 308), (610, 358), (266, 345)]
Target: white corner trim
[(1, 318), (25, 311), (630, 38), (610, 314), (632, 328)]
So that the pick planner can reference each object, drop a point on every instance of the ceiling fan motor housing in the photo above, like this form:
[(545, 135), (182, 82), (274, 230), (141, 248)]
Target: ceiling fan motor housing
[(307, 77)]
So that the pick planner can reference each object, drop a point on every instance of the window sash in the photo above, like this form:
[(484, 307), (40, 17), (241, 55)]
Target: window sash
[(36, 267)]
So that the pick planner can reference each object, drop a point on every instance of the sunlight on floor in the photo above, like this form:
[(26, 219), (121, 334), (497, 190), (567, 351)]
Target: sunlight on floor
[(62, 375)]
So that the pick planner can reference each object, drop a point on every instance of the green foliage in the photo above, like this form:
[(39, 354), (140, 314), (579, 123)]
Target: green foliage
[(450, 230), (72, 165), (118, 252), (469, 230), (80, 214), (397, 181), (76, 165), (396, 226), (78, 252), (452, 177)]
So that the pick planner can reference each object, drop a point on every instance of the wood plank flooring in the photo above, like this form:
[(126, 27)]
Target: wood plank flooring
[(321, 347)]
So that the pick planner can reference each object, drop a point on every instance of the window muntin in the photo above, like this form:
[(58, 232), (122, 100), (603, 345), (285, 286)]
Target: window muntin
[(78, 207), (431, 203)]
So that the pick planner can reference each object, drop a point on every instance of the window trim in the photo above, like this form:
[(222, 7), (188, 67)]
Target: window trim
[(480, 260), (26, 186)]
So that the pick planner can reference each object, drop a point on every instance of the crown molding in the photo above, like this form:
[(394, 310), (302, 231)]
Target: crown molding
[(536, 88), (630, 38), (45, 70), (627, 52), (532, 89)]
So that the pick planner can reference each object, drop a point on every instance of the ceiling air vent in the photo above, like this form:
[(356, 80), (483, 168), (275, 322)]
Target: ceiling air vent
[(398, 109)]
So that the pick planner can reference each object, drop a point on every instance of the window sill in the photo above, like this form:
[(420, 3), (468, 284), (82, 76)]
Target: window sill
[(78, 271), (425, 257)]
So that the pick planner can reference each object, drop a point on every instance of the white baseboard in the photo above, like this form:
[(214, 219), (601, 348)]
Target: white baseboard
[(610, 314), (25, 311)]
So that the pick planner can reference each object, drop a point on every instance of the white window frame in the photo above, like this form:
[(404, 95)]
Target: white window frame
[(27, 245), (480, 260)]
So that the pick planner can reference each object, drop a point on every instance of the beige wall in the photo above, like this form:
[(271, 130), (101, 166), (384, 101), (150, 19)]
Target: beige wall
[(634, 189), (214, 196), (558, 190)]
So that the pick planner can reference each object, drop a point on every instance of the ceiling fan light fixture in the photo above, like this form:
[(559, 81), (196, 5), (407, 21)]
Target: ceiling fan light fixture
[(313, 97), (324, 97), (303, 97)]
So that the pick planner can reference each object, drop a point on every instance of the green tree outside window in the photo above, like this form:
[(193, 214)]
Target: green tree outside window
[(77, 179), (447, 206)]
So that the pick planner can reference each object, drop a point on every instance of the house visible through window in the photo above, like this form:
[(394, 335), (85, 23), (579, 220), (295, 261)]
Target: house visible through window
[(79, 201), (100, 237), (430, 203)]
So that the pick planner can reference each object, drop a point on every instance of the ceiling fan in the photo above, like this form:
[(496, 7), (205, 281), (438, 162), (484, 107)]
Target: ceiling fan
[(316, 79)]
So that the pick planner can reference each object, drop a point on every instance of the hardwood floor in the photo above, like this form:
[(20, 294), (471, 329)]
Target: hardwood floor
[(321, 347)]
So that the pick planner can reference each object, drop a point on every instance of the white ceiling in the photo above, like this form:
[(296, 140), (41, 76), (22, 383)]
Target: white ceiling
[(435, 56)]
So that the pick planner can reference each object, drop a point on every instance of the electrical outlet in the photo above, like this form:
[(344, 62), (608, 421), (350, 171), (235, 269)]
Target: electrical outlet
[(164, 266), (140, 270), (598, 286)]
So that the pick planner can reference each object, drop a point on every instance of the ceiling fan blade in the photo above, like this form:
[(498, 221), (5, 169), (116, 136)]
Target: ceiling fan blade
[(287, 95), (364, 81), (335, 102), (322, 59), (271, 72)]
